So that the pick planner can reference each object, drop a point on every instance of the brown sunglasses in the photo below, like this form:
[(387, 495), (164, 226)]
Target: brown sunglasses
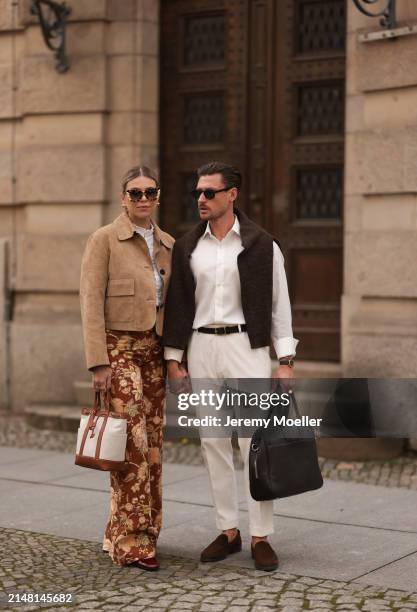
[(150, 193)]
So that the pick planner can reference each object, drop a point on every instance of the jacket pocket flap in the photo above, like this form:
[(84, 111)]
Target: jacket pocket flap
[(124, 286)]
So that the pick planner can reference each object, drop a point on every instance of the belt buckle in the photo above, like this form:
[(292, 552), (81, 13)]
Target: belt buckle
[(217, 331)]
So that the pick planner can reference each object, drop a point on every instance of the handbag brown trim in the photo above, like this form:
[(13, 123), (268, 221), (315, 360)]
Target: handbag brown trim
[(100, 436), (114, 415), (101, 464)]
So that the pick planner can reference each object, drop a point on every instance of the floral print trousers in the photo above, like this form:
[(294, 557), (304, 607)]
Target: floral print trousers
[(138, 390)]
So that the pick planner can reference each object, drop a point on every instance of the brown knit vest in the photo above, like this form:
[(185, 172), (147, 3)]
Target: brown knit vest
[(255, 265)]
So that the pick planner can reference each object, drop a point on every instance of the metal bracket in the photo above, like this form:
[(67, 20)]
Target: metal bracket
[(387, 14), (52, 18), (384, 34)]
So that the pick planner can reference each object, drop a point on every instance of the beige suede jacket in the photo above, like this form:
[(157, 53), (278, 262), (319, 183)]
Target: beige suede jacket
[(117, 288)]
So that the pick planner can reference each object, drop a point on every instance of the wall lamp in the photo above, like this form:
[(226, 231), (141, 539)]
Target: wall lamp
[(52, 18)]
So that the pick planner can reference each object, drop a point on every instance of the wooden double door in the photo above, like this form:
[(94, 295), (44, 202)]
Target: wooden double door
[(260, 84)]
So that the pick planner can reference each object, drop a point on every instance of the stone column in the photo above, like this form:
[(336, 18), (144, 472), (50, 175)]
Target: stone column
[(4, 327), (379, 313), (379, 307), (65, 141)]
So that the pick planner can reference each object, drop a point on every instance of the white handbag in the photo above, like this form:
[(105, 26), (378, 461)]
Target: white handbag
[(101, 439)]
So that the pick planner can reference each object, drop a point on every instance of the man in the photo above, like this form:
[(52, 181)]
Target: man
[(228, 274)]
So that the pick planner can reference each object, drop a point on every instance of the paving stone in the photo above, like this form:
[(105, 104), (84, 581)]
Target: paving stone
[(264, 588), (309, 581), (348, 599), (290, 601), (128, 590), (394, 593)]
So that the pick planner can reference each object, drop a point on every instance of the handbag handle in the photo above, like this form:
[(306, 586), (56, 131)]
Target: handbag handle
[(293, 402), (101, 399)]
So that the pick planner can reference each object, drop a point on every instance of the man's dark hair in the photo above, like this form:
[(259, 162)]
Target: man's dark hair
[(231, 175)]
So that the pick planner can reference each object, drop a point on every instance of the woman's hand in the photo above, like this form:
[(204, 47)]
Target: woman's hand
[(102, 378)]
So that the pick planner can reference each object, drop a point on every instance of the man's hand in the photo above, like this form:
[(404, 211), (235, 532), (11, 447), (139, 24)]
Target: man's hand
[(285, 374), (178, 377), (102, 378)]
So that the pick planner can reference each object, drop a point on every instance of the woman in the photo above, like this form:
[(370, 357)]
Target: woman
[(124, 276)]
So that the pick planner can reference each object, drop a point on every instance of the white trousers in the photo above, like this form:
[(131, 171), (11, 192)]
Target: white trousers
[(220, 357)]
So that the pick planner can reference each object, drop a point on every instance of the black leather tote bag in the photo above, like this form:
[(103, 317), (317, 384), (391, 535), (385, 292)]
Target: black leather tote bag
[(281, 465)]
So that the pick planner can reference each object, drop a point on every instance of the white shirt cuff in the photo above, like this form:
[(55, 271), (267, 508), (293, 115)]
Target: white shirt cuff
[(285, 346), (173, 353)]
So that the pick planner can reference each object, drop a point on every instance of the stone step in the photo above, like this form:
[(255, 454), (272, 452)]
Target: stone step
[(83, 392), (53, 417), (67, 418)]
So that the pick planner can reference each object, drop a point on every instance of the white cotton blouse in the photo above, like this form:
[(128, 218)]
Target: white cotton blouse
[(147, 234)]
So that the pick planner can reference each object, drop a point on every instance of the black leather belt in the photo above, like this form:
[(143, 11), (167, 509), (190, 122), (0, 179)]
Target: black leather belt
[(222, 331)]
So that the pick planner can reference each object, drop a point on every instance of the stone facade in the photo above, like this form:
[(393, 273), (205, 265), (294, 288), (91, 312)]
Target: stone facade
[(379, 328), (65, 141)]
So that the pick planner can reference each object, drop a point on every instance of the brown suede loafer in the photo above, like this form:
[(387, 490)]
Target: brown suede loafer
[(221, 547), (264, 556)]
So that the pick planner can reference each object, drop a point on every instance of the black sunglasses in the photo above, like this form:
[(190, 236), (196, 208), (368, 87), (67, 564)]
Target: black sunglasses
[(135, 195), (209, 193)]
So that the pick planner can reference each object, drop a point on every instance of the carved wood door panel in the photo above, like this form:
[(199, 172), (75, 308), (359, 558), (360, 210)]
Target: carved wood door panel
[(308, 166), (203, 97)]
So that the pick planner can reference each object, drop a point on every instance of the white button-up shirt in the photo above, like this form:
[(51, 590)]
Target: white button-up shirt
[(148, 235), (218, 295)]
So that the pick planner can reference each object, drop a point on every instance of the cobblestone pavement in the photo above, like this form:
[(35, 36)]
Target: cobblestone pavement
[(37, 563), (399, 472)]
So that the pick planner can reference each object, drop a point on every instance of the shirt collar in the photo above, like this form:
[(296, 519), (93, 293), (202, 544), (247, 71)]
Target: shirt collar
[(125, 231), (144, 232), (235, 228)]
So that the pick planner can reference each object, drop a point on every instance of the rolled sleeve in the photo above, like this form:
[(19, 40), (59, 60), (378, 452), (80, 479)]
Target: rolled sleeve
[(173, 354)]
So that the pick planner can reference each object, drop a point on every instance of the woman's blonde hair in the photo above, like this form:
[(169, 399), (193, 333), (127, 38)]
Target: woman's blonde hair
[(138, 171)]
